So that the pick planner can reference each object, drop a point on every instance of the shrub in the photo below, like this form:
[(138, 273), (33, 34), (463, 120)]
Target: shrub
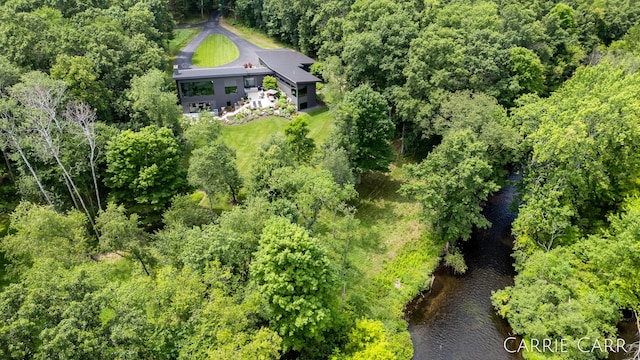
[(317, 69), (269, 83)]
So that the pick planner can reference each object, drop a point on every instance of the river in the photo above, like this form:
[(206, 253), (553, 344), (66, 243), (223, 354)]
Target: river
[(455, 320)]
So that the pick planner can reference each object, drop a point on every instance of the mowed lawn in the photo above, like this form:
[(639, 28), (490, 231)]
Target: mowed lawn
[(254, 36), (181, 37), (214, 51), (246, 139)]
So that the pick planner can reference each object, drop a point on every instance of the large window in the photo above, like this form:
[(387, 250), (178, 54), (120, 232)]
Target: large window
[(231, 85), (250, 82), (302, 91), (198, 88)]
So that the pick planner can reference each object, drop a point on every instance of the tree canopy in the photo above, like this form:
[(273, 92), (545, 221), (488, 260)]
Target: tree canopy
[(296, 279), (364, 130), (108, 246), (143, 168)]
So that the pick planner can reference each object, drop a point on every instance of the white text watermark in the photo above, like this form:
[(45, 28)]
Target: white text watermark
[(513, 345)]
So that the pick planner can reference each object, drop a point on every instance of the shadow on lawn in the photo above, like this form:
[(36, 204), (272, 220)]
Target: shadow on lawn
[(379, 206)]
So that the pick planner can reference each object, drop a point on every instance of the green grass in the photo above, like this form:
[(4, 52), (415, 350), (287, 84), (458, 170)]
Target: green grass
[(391, 254), (214, 51), (320, 123), (394, 258), (253, 36), (181, 37), (246, 139)]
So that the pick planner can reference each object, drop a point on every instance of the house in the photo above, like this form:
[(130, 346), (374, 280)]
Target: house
[(291, 70), (213, 89)]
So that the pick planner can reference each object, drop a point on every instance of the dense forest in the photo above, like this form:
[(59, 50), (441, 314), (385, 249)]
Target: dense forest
[(115, 247)]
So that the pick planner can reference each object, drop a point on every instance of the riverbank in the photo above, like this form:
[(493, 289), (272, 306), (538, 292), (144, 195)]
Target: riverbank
[(457, 320), (395, 257)]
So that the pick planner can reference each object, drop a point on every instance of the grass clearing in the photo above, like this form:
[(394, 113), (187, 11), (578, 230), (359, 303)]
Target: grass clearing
[(181, 37), (256, 37), (246, 139), (214, 51), (320, 123), (395, 257)]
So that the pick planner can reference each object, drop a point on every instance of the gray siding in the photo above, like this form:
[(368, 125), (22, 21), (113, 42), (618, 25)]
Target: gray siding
[(310, 98), (286, 88), (219, 100)]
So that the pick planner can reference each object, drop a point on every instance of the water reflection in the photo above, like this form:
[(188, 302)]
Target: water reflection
[(456, 320)]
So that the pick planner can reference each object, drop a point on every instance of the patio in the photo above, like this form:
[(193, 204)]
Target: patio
[(258, 98)]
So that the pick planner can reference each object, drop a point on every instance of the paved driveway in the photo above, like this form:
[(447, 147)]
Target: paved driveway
[(247, 49)]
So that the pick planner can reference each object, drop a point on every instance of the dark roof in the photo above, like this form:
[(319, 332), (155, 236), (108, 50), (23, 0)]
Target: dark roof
[(288, 63), (208, 73)]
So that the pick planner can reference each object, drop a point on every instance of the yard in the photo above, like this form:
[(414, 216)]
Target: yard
[(214, 51), (181, 37), (246, 139), (254, 36)]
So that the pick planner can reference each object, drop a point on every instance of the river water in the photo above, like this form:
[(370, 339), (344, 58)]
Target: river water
[(455, 320)]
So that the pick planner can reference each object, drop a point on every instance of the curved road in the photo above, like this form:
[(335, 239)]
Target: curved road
[(247, 49)]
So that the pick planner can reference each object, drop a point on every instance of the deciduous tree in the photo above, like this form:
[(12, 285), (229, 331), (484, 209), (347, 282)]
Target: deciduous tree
[(119, 232), (39, 232), (143, 168), (151, 102), (302, 147), (451, 183), (213, 169), (296, 281), (363, 129)]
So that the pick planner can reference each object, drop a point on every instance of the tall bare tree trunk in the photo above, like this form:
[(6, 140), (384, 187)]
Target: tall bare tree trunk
[(9, 167), (47, 137), (84, 117), (95, 178), (71, 194), (12, 136)]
